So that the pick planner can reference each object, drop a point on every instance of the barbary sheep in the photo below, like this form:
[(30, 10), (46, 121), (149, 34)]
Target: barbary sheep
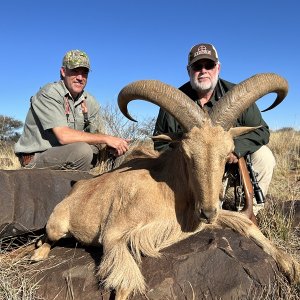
[(155, 200)]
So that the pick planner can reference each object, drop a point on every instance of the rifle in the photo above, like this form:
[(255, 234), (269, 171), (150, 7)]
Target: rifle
[(245, 170), (258, 194)]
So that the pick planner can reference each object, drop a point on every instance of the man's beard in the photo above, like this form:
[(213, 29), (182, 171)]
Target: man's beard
[(204, 87)]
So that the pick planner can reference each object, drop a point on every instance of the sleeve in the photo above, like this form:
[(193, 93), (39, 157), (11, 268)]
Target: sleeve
[(165, 123), (252, 141), (49, 108)]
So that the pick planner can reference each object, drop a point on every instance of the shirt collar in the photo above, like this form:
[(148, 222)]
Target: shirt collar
[(82, 97)]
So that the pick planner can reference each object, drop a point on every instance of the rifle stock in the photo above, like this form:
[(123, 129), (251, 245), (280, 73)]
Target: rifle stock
[(248, 190)]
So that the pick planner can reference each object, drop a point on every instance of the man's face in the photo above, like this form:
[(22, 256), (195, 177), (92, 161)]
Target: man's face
[(75, 79), (204, 75)]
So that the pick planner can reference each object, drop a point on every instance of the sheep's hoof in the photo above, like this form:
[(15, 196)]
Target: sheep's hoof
[(41, 253)]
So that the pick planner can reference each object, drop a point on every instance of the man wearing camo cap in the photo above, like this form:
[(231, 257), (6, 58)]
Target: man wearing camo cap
[(205, 87), (61, 127)]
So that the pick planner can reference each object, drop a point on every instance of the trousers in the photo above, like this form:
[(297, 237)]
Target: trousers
[(76, 156), (263, 162)]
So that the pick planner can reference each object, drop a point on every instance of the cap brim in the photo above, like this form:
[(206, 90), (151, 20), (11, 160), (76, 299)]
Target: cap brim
[(78, 66), (202, 57)]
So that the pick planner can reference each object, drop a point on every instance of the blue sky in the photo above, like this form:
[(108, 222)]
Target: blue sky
[(129, 40)]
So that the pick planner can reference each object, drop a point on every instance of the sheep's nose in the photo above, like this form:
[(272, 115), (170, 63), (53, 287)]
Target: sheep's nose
[(208, 215)]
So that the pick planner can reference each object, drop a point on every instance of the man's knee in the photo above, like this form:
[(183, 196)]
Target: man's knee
[(263, 162), (82, 155), (83, 150)]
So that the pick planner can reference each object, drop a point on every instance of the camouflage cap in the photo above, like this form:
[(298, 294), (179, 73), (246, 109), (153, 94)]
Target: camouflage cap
[(75, 59)]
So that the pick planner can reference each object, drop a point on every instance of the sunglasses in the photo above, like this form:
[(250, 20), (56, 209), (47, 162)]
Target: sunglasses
[(208, 65)]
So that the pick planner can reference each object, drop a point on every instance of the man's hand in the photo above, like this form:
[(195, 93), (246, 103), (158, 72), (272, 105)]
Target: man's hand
[(232, 158), (66, 135), (119, 145)]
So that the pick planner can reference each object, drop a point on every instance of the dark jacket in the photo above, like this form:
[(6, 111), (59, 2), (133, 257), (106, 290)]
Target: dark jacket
[(245, 144)]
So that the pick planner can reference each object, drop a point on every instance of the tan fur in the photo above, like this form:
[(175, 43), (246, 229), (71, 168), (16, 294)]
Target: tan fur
[(151, 202)]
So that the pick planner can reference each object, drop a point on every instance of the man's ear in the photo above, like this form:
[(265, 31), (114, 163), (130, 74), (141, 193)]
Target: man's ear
[(237, 131), (63, 72), (188, 70), (167, 137)]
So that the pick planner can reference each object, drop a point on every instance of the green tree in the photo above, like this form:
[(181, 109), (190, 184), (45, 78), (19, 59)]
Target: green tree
[(8, 128)]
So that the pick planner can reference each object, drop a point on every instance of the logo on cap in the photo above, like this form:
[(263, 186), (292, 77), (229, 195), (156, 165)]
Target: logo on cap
[(202, 50)]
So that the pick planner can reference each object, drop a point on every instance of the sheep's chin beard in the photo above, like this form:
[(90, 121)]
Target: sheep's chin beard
[(204, 87)]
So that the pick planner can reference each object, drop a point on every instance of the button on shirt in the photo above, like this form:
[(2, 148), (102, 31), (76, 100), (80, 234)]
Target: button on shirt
[(48, 110)]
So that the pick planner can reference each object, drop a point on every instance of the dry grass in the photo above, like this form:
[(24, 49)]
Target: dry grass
[(285, 145), (15, 278), (286, 180), (285, 185), (8, 160), (16, 281)]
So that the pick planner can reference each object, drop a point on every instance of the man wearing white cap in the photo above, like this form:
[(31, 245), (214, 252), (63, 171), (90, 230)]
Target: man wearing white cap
[(205, 87)]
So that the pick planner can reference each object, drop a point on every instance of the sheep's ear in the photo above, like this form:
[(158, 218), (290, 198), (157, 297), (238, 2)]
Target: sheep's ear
[(167, 137), (237, 131)]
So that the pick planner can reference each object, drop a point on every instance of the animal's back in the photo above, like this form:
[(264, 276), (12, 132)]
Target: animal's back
[(94, 203)]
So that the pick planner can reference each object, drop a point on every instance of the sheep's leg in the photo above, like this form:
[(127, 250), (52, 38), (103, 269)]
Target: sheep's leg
[(119, 270), (57, 227), (289, 266), (122, 295)]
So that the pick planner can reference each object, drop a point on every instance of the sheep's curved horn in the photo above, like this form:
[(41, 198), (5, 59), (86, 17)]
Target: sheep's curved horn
[(175, 102), (233, 103)]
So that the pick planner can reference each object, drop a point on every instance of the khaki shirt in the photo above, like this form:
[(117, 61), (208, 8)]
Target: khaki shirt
[(48, 110)]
